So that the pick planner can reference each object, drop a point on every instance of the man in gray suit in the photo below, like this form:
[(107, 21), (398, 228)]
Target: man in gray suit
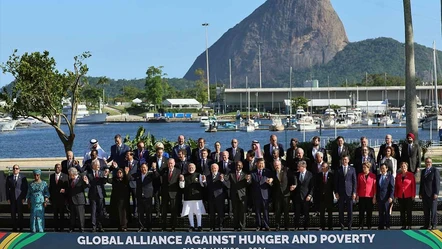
[(16, 190), (345, 184), (411, 153), (428, 192), (76, 197)]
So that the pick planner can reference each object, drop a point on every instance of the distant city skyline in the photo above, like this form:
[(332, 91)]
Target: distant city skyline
[(126, 37)]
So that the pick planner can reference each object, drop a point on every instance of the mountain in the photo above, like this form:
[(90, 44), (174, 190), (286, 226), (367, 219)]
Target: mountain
[(297, 33)]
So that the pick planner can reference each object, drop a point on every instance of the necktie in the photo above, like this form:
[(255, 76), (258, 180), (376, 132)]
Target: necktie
[(345, 170), (170, 174), (225, 166), (238, 175), (382, 180), (427, 171), (15, 178), (217, 157), (96, 174), (129, 164), (365, 159), (73, 184), (259, 175), (302, 177), (56, 179), (214, 177), (409, 149), (141, 155), (324, 178), (339, 151), (233, 152)]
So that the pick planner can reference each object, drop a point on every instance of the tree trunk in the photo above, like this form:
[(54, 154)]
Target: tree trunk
[(68, 141), (410, 73)]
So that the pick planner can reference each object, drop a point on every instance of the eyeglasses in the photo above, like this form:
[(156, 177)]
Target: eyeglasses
[(15, 168)]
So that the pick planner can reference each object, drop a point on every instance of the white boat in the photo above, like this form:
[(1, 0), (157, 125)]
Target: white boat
[(276, 124), (84, 116), (329, 112), (367, 121), (306, 123), (8, 125), (204, 121), (431, 122), (249, 125), (386, 120)]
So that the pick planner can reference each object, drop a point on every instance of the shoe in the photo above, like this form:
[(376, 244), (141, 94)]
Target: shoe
[(296, 228), (211, 229), (403, 228), (190, 229), (424, 227), (387, 228), (124, 229), (199, 229), (149, 230), (70, 231), (221, 229), (81, 230), (172, 230), (360, 228), (277, 229), (305, 228), (409, 228), (342, 227), (320, 229), (369, 228), (266, 229), (433, 228), (140, 229), (258, 229), (94, 230)]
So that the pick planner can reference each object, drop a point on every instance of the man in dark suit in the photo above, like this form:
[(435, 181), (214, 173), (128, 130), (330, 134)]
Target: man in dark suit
[(411, 153), (261, 181), (203, 165), (133, 166), (58, 185), (141, 154), (324, 195), (268, 149), (313, 148), (118, 152), (96, 194), (181, 146), (145, 191), (345, 190), (303, 194), (76, 197), (338, 152), (217, 193), (237, 182), (388, 143), (428, 192), (365, 157), (249, 164), (182, 162), (196, 153), (384, 196), (70, 162), (283, 182), (169, 191), (161, 164), (235, 153), (16, 191), (358, 151), (316, 165), (299, 157), (87, 166), (226, 165)]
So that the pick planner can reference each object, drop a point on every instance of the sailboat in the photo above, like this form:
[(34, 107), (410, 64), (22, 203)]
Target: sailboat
[(250, 123), (434, 121)]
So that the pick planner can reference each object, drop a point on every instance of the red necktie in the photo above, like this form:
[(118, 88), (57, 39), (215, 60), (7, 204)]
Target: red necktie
[(141, 155), (56, 179), (73, 184), (96, 174), (170, 175), (238, 176)]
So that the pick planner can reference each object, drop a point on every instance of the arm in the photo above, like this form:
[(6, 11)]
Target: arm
[(413, 186), (391, 186), (436, 184)]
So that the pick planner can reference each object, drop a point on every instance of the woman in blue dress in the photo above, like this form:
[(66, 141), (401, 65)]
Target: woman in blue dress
[(38, 195)]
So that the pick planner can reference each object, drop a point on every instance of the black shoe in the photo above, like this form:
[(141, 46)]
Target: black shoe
[(305, 228), (433, 228), (190, 229), (277, 229), (403, 227), (369, 228), (140, 229), (149, 230), (424, 227), (342, 227), (200, 229), (320, 229), (81, 230), (286, 229), (330, 228), (70, 230), (258, 229), (409, 228), (361, 228), (211, 229), (94, 230), (221, 229), (296, 228), (124, 230), (172, 230)]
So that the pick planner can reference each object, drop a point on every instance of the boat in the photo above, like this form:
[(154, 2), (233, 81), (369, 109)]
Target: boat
[(8, 124), (306, 123), (249, 125), (225, 125), (212, 128), (83, 115), (433, 121), (160, 119), (276, 124), (386, 120), (367, 121)]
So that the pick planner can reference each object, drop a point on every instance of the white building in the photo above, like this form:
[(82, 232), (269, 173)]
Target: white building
[(182, 103)]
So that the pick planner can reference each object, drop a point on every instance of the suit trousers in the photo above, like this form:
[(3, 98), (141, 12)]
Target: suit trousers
[(326, 205), (281, 204), (430, 211), (405, 207), (145, 209), (365, 207), (122, 212), (166, 204), (302, 206), (262, 205), (216, 207), (77, 210), (157, 202), (239, 208), (343, 202), (96, 212), (133, 192), (384, 214), (17, 210), (59, 210)]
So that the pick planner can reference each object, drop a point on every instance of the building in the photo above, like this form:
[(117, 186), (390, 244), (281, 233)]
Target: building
[(182, 103)]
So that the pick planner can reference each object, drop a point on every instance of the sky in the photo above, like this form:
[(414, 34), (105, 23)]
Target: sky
[(125, 37)]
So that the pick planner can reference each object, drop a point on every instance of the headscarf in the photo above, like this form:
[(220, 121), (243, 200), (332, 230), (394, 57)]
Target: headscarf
[(258, 152), (36, 172), (101, 153)]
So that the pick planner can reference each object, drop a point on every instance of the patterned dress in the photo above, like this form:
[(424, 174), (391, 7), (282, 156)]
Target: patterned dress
[(37, 193)]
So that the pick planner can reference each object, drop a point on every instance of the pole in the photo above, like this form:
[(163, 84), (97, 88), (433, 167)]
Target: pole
[(230, 72), (260, 72), (207, 62), (435, 78), (290, 100)]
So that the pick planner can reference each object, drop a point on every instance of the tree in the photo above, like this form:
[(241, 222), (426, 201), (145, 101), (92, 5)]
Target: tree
[(410, 72), (299, 101), (201, 88), (154, 85), (39, 88)]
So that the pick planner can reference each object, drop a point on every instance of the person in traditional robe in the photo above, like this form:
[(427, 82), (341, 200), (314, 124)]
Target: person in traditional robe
[(38, 197)]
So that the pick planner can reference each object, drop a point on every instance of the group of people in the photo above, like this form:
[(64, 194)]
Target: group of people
[(187, 182)]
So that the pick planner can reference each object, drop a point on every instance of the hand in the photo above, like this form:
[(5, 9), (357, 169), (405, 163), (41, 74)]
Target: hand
[(434, 197), (269, 180), (353, 196), (62, 191), (337, 196), (203, 178), (417, 170), (412, 198), (390, 200), (420, 197), (292, 188), (9, 202), (308, 198), (154, 166), (126, 170), (76, 162), (85, 179), (221, 177), (181, 178), (357, 198), (374, 200), (248, 177), (114, 164), (45, 204)]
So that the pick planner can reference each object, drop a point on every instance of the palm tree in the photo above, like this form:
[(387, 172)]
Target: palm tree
[(410, 72)]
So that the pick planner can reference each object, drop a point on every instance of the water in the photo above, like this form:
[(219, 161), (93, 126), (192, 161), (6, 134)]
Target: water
[(44, 142)]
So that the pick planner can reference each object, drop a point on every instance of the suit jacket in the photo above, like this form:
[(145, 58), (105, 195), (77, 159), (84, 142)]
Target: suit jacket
[(309, 153), (192, 187), (65, 165), (394, 167), (237, 188), (226, 170), (76, 194), (381, 152), (170, 187), (120, 188), (239, 154), (268, 155), (366, 186), (215, 187), (405, 188), (96, 185), (324, 191), (345, 185), (336, 157), (304, 188), (203, 169), (145, 188), (87, 166), (56, 197), (176, 149), (183, 166), (385, 189), (290, 157), (118, 155), (358, 164), (161, 166), (281, 187), (215, 157), (133, 168), (144, 156), (249, 166), (260, 188), (358, 153), (314, 168), (2, 186), (196, 155), (16, 190), (413, 159), (430, 182)]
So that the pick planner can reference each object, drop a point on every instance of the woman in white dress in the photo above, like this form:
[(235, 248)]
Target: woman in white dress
[(193, 183), (390, 161)]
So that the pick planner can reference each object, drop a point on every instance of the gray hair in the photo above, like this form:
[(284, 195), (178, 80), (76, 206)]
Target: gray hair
[(72, 171), (96, 162), (320, 154), (302, 164), (299, 149)]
